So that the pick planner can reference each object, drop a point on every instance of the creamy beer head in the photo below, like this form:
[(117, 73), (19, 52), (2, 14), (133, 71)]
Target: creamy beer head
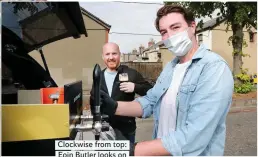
[(123, 77)]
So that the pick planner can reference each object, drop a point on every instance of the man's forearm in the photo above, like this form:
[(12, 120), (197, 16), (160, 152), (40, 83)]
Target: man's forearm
[(151, 148), (129, 108)]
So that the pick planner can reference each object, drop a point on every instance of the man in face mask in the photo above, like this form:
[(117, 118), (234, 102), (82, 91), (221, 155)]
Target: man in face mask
[(190, 99)]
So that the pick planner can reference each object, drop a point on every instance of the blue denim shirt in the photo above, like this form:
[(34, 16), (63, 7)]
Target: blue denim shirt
[(203, 101)]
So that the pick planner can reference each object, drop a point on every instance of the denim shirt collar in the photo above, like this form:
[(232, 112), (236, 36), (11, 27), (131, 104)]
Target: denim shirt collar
[(197, 55)]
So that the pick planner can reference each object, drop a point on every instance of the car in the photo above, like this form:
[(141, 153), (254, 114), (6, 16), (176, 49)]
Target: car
[(28, 26), (32, 129)]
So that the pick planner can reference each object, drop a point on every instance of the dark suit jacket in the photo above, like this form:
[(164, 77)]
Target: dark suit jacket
[(124, 124)]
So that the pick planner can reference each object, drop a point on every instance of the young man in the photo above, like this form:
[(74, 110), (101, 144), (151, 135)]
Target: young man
[(121, 91), (190, 99)]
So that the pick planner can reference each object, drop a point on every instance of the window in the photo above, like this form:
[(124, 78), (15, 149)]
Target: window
[(159, 55), (200, 39), (251, 36)]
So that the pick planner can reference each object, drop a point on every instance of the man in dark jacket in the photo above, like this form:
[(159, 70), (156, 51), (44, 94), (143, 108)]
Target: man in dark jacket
[(121, 90)]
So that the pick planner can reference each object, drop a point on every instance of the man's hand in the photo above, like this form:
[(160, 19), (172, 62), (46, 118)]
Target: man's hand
[(127, 87), (108, 105)]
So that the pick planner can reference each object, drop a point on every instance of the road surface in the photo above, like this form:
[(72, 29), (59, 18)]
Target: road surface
[(241, 139)]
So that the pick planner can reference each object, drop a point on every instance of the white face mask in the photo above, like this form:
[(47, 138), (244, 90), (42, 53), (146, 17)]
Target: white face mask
[(179, 44)]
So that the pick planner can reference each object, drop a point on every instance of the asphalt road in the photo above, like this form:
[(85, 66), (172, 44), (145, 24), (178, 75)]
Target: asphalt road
[(241, 138)]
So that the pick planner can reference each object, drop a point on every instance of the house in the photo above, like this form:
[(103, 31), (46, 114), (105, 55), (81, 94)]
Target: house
[(166, 55), (214, 36), (149, 54), (77, 57), (129, 57), (134, 56)]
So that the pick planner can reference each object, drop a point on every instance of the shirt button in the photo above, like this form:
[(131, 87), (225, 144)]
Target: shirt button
[(163, 88)]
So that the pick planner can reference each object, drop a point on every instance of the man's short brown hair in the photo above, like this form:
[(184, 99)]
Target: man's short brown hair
[(167, 9)]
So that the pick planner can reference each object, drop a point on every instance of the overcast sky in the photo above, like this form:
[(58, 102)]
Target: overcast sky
[(127, 18)]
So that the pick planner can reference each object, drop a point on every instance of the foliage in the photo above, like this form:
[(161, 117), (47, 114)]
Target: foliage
[(244, 13), (245, 85), (243, 88)]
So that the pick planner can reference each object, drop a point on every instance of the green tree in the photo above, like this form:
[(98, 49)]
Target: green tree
[(237, 15)]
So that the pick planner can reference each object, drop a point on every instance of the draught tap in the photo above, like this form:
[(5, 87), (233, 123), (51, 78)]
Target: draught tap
[(97, 125), (98, 120)]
